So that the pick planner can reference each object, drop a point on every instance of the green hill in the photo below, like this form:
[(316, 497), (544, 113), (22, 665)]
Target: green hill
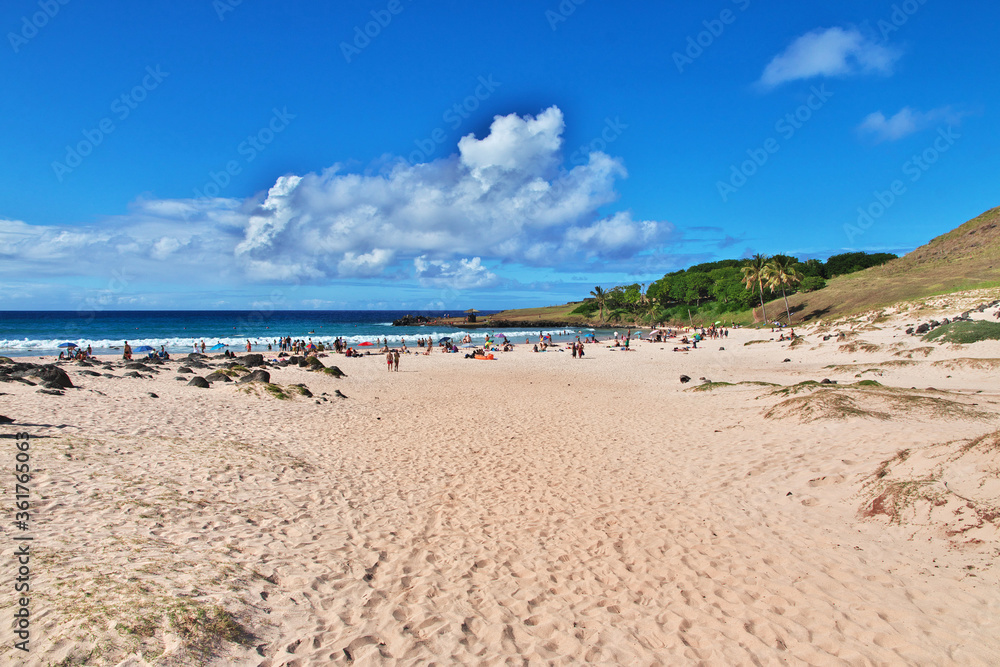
[(967, 257)]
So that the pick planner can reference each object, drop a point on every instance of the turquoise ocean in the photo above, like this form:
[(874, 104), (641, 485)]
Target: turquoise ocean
[(25, 333)]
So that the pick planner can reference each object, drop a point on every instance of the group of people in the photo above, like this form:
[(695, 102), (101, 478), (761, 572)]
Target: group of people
[(76, 353)]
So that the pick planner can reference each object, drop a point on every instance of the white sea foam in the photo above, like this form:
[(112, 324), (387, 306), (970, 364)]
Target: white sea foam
[(186, 344)]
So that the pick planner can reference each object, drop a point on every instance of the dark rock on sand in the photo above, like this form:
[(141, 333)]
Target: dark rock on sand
[(256, 376), (50, 392), (685, 379), (6, 420), (922, 329), (827, 381), (48, 373), (218, 377), (251, 360), (185, 369), (197, 381), (132, 374), (152, 395), (314, 363), (785, 361), (337, 393), (181, 378), (91, 373), (335, 372)]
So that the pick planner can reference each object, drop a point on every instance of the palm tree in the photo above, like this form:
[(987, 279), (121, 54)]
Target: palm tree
[(753, 275), (780, 272), (599, 294)]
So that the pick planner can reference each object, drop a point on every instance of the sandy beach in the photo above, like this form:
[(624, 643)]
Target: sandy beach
[(535, 509)]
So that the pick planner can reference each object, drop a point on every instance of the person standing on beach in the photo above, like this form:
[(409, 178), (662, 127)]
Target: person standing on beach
[(127, 356), (248, 346), (395, 361), (388, 360)]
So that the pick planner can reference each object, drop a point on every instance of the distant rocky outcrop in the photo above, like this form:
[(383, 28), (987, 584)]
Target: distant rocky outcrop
[(412, 320)]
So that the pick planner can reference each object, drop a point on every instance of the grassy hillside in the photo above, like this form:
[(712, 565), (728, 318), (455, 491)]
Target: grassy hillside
[(968, 257), (546, 313)]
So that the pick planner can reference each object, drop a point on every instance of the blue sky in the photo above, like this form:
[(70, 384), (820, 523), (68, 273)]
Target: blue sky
[(408, 154)]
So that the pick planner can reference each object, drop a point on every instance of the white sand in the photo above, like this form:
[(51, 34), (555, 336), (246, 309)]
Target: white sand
[(537, 508)]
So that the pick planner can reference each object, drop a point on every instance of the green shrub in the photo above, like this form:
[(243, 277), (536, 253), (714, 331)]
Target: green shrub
[(812, 283), (965, 332)]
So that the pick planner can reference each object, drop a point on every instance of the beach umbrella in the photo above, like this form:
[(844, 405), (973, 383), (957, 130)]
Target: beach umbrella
[(68, 345), (217, 346), (366, 344), (143, 348), (446, 339)]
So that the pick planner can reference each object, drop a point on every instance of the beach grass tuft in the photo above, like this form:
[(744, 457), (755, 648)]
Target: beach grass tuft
[(965, 333)]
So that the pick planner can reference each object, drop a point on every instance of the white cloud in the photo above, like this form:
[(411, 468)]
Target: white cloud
[(906, 122), (832, 52), (368, 264), (466, 274), (507, 198)]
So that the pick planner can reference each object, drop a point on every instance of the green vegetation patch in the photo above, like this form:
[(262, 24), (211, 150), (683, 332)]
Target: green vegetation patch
[(276, 391), (832, 401), (964, 333), (753, 342), (711, 386)]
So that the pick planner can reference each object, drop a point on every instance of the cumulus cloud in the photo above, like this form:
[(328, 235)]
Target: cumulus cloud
[(905, 122), (464, 274), (504, 197), (507, 198), (832, 52)]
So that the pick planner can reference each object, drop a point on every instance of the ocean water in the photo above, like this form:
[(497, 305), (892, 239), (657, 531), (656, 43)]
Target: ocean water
[(35, 333)]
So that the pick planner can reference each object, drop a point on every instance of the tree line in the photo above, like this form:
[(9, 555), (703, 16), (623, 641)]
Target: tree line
[(725, 286)]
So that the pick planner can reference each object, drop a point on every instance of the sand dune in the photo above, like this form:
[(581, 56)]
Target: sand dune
[(536, 508)]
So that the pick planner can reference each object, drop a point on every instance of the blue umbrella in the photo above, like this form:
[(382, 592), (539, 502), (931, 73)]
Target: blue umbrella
[(143, 348), (217, 346), (67, 345)]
